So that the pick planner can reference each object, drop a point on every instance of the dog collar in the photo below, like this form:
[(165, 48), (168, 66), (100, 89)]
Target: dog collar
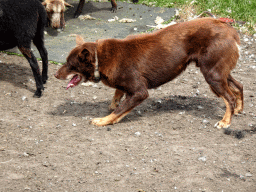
[(96, 72)]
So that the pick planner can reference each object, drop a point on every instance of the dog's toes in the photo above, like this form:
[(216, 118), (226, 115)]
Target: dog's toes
[(100, 122), (221, 124), (112, 106), (44, 79), (38, 93), (238, 111)]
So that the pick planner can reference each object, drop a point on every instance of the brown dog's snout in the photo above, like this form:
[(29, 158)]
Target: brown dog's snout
[(62, 73), (57, 75)]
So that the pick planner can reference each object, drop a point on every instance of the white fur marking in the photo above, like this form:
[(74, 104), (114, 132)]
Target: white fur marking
[(239, 48)]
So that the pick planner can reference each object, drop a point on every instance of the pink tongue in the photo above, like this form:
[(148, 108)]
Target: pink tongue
[(74, 81)]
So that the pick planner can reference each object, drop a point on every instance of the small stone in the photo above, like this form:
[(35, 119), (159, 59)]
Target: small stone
[(114, 19), (159, 101), (202, 158), (86, 17), (137, 133), (25, 154), (248, 174), (205, 121), (139, 112), (46, 164), (24, 98), (126, 20), (87, 84), (73, 124)]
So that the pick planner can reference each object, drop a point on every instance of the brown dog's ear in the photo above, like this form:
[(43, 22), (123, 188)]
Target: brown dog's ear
[(79, 40), (85, 56), (68, 5)]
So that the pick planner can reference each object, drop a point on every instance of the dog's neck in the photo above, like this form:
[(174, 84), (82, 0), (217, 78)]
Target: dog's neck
[(96, 71)]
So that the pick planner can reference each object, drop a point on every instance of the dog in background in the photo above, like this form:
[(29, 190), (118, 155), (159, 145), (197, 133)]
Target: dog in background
[(23, 21), (81, 5), (55, 10), (140, 62)]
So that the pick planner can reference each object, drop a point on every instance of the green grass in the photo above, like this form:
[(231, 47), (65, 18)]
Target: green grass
[(240, 10), (21, 55)]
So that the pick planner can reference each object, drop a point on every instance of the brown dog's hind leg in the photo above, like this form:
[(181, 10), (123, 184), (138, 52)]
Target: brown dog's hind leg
[(130, 101), (226, 94), (116, 99), (226, 120), (237, 89), (219, 85), (114, 6)]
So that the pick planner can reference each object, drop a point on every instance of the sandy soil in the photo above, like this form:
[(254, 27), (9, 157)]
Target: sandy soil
[(168, 143)]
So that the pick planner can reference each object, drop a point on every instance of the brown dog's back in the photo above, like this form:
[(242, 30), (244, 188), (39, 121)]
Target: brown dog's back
[(163, 55)]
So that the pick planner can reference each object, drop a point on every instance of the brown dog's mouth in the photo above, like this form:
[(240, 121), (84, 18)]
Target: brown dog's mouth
[(74, 81)]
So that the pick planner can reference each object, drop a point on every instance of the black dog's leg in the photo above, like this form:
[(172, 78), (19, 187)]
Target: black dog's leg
[(79, 8), (39, 43), (35, 68)]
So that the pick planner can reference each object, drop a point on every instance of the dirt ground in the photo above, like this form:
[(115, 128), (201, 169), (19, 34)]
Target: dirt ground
[(168, 143)]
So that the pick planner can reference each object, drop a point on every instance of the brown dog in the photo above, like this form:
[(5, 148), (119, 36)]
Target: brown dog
[(81, 5), (146, 61)]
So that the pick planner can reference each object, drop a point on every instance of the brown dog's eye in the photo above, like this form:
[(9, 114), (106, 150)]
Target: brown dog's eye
[(72, 68)]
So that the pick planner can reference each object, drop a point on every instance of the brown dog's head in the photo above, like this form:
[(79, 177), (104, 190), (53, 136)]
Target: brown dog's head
[(80, 65), (55, 11)]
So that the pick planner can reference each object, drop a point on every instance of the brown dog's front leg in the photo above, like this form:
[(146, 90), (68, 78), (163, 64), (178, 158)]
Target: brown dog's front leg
[(116, 99), (122, 110)]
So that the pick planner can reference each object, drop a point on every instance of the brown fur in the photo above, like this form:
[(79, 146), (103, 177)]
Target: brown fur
[(146, 61)]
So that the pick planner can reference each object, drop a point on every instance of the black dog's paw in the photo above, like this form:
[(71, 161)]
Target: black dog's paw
[(44, 79), (38, 93), (76, 15)]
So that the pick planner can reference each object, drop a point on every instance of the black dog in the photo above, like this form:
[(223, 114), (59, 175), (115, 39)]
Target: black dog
[(23, 21)]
